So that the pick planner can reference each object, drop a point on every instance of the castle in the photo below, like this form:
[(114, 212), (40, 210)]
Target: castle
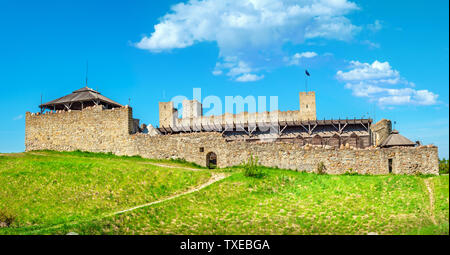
[(86, 120)]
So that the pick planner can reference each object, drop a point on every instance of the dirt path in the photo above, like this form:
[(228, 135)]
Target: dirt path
[(214, 178), (171, 166), (143, 163), (14, 154), (430, 188)]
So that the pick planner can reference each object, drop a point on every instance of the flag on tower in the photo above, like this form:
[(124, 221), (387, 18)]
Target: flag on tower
[(306, 72)]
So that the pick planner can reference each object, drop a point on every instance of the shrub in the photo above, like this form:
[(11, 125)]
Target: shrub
[(443, 166), (6, 218), (351, 172), (321, 169), (251, 168)]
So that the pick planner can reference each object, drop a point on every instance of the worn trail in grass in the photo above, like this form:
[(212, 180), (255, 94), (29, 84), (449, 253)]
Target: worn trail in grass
[(281, 202), (215, 177), (55, 188), (285, 202)]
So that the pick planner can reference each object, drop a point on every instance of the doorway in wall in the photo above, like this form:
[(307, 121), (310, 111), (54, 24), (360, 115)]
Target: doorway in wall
[(390, 165), (211, 160)]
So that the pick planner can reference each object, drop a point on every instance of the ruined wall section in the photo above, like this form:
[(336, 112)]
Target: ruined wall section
[(381, 130), (228, 119), (339, 161), (193, 116), (413, 160), (192, 109), (91, 129), (194, 147), (167, 114), (178, 146), (98, 130)]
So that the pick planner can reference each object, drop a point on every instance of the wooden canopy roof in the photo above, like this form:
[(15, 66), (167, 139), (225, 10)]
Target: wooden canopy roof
[(80, 99), (308, 126), (396, 139)]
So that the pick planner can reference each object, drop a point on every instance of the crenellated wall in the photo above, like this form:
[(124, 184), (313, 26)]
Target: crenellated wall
[(307, 105), (193, 114), (99, 130), (92, 129), (243, 117)]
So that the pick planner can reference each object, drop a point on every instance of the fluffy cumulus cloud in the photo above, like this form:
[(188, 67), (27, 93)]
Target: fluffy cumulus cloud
[(250, 33), (380, 82)]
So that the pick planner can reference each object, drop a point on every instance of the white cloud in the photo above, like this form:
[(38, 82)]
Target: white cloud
[(237, 70), (371, 45), (380, 83), (307, 54), (251, 31), (363, 71), (296, 58), (217, 72), (18, 117), (249, 77), (332, 28)]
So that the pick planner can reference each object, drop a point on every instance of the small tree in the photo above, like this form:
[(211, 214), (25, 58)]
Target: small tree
[(443, 166), (251, 168), (321, 169)]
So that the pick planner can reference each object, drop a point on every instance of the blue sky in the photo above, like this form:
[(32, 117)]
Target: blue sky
[(386, 59)]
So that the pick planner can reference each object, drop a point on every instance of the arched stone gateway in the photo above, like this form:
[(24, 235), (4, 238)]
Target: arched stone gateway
[(211, 160)]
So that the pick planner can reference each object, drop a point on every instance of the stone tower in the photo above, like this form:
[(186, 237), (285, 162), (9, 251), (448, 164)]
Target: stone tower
[(191, 109), (307, 105), (381, 130), (167, 114)]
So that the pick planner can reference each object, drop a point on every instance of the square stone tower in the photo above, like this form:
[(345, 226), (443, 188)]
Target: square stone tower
[(192, 109), (167, 114), (381, 130), (308, 105)]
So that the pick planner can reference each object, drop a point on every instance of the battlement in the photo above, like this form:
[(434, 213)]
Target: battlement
[(193, 114), (307, 105), (167, 114), (192, 109), (341, 145), (91, 128)]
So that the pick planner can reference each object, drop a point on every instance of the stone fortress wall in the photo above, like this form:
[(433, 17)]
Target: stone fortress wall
[(192, 114), (381, 131), (111, 130), (92, 129)]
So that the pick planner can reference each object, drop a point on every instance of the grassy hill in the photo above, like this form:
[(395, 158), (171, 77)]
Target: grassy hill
[(61, 192)]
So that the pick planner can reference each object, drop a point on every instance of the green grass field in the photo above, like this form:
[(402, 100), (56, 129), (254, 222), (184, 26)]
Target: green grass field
[(62, 192)]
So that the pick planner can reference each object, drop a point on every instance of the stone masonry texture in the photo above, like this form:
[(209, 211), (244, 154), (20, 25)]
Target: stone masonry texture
[(109, 130)]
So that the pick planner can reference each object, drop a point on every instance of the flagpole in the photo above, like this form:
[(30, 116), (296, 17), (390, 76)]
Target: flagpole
[(306, 83), (306, 76), (306, 80)]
